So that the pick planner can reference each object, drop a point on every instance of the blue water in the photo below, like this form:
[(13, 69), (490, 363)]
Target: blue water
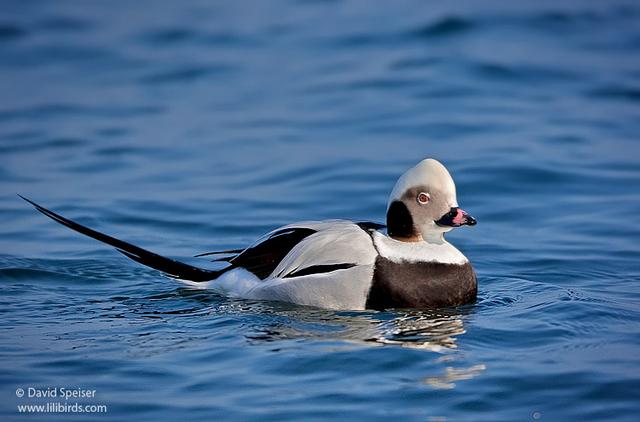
[(190, 126)]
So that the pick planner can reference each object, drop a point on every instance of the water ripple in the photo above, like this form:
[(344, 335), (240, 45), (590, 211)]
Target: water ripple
[(444, 27)]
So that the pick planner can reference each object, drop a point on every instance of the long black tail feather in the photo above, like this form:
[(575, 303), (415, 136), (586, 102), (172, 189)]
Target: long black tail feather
[(170, 267), (225, 252)]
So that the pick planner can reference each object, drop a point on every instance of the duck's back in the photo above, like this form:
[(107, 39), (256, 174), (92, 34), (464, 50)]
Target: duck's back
[(331, 268)]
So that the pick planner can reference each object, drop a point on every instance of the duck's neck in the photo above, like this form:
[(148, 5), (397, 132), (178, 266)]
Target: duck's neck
[(436, 238), (410, 239), (433, 238), (432, 249)]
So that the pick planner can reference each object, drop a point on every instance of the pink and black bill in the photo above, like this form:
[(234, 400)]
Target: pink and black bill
[(456, 217)]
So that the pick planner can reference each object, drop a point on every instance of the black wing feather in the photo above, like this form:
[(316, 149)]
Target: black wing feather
[(168, 266), (320, 269), (262, 258)]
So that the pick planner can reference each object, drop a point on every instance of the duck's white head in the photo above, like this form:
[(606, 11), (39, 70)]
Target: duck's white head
[(423, 204)]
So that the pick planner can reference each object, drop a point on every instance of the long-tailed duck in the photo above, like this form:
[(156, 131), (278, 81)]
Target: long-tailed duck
[(340, 264)]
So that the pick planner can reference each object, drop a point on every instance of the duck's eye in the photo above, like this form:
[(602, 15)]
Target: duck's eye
[(423, 198)]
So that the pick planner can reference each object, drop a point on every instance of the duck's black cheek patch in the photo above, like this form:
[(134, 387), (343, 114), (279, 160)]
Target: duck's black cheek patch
[(399, 221)]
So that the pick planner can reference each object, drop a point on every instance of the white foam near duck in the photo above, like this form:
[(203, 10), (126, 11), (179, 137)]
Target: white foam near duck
[(339, 264)]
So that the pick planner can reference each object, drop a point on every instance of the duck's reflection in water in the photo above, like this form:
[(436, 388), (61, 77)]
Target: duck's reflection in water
[(434, 331), (430, 330), (451, 375)]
